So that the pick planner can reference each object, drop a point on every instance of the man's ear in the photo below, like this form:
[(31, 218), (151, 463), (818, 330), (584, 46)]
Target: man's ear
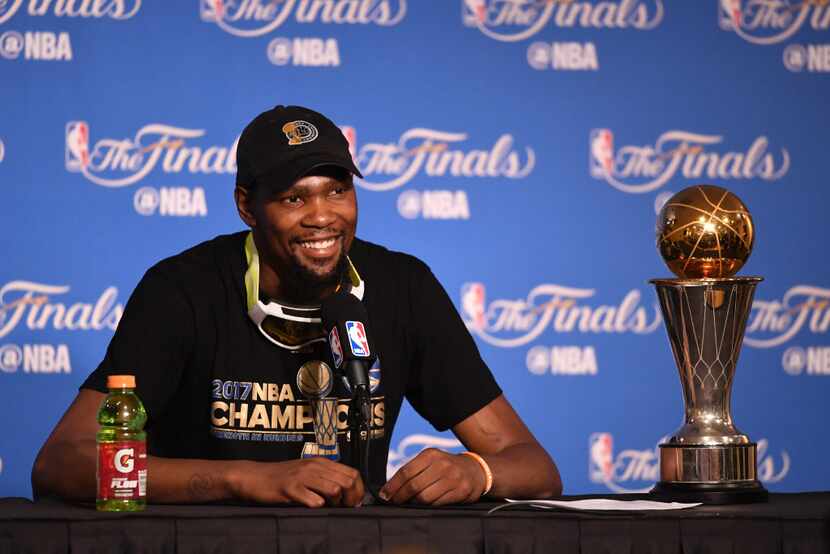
[(244, 205)]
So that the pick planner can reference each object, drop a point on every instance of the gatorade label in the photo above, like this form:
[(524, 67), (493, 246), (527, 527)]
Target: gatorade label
[(122, 470)]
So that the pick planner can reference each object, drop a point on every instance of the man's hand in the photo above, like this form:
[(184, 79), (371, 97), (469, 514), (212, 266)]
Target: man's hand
[(312, 482), (520, 466), (436, 477)]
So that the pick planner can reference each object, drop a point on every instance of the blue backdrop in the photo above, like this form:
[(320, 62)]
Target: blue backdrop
[(521, 148)]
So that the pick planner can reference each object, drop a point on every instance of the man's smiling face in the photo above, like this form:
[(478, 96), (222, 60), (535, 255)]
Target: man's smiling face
[(304, 233)]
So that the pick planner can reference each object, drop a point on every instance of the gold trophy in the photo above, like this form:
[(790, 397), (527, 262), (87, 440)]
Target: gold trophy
[(705, 235), (315, 381)]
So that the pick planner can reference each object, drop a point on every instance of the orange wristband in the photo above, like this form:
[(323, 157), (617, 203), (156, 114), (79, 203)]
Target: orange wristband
[(488, 474)]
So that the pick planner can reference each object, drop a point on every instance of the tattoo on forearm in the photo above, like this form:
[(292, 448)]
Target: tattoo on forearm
[(200, 486), (486, 430)]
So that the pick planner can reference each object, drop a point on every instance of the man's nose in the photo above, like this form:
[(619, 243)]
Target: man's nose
[(318, 212)]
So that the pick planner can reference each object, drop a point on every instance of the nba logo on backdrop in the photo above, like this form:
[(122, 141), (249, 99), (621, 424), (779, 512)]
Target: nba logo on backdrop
[(351, 137), (77, 146), (472, 303), (602, 152), (638, 467), (731, 14), (601, 457)]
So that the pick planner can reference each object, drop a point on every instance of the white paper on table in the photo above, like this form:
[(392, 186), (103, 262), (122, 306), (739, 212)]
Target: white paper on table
[(600, 505)]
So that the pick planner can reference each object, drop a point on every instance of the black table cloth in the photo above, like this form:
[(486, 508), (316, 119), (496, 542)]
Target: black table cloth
[(788, 523)]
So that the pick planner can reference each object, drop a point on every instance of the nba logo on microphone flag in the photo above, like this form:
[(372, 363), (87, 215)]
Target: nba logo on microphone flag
[(357, 338)]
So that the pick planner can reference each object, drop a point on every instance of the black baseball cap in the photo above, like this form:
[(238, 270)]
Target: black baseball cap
[(283, 144)]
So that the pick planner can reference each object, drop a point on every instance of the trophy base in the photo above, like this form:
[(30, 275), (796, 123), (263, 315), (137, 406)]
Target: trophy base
[(691, 463), (710, 493), (723, 474)]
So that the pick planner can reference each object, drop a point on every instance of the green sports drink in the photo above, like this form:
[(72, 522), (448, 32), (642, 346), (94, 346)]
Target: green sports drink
[(122, 448)]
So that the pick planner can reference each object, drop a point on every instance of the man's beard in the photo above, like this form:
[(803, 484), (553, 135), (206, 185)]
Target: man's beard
[(301, 285)]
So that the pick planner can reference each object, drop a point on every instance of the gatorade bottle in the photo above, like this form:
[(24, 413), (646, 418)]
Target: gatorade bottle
[(122, 448)]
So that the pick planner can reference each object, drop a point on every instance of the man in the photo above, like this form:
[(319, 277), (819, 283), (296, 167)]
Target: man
[(216, 335)]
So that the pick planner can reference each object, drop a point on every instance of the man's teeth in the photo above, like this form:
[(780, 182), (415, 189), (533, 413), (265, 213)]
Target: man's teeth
[(317, 244)]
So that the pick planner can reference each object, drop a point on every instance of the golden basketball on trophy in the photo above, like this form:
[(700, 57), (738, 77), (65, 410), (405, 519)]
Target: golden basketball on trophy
[(705, 232)]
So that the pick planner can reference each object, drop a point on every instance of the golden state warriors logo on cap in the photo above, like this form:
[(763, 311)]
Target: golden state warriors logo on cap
[(299, 132)]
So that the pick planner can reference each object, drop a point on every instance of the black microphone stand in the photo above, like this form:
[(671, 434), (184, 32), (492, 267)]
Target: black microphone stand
[(359, 419)]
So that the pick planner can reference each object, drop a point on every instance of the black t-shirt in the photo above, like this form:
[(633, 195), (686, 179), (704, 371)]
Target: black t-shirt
[(215, 388)]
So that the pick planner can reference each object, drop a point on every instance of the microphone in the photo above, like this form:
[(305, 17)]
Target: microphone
[(347, 327), (346, 324)]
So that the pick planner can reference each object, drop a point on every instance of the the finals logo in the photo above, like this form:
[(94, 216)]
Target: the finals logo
[(54, 46), (635, 471), (638, 169), (120, 162), (513, 322), (254, 18), (515, 20), (767, 22), (113, 9), (436, 153), (777, 321)]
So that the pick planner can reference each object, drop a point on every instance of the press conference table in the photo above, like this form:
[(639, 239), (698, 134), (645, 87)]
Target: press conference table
[(788, 523)]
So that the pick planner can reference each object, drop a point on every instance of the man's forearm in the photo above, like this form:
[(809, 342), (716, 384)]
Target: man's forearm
[(523, 470), (184, 481), (67, 470)]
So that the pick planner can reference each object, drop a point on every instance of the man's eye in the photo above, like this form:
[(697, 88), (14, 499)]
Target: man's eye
[(292, 200), (341, 189)]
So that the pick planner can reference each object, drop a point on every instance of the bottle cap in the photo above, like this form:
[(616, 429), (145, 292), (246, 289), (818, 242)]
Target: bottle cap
[(121, 381)]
